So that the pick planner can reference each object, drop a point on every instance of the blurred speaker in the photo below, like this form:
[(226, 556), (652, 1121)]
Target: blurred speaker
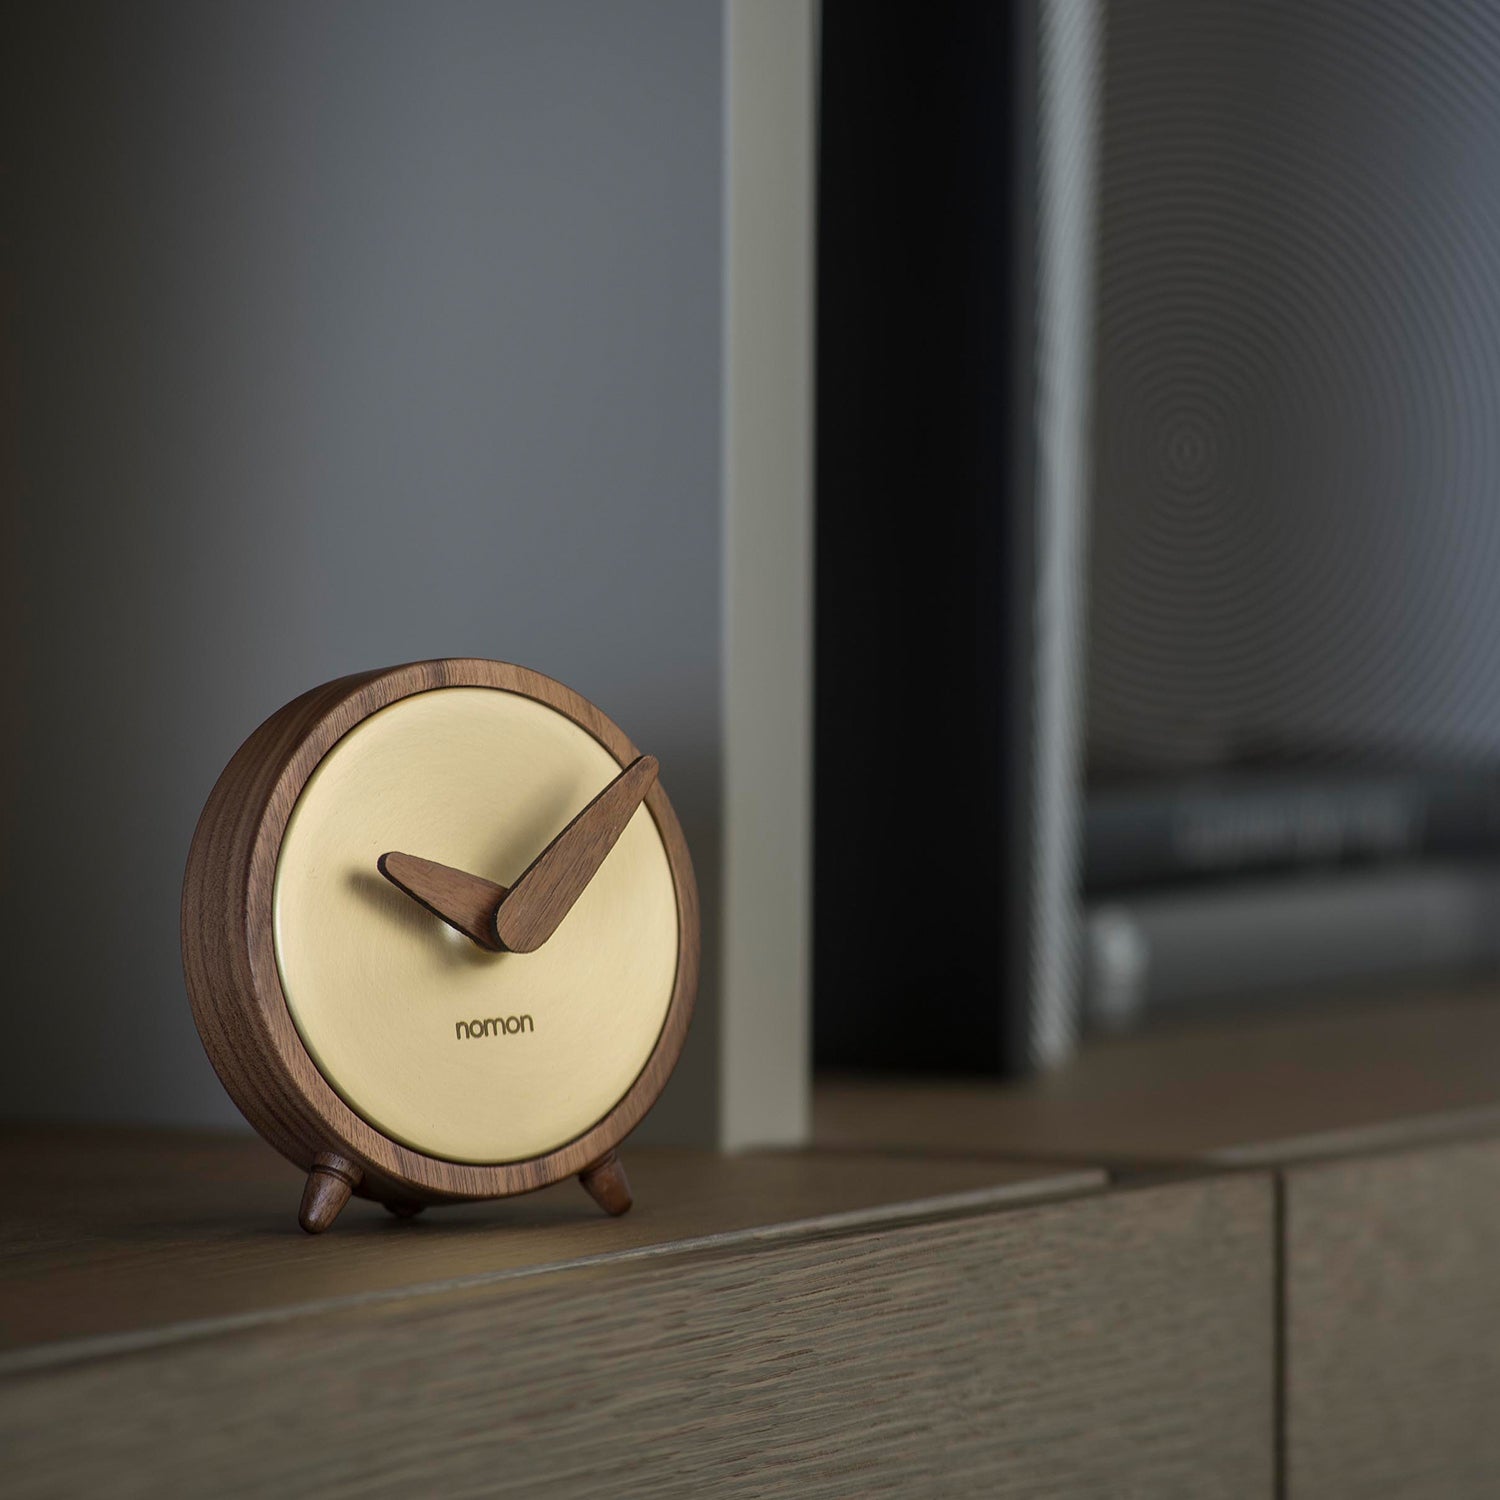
[(1295, 546), (1294, 594)]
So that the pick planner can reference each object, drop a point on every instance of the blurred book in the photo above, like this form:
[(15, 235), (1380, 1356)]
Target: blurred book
[(1240, 823), (1160, 954)]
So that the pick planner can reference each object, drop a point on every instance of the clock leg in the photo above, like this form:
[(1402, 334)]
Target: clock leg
[(403, 1208), (606, 1183), (332, 1179)]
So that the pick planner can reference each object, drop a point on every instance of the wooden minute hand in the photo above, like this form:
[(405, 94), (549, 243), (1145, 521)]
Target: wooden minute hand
[(522, 918)]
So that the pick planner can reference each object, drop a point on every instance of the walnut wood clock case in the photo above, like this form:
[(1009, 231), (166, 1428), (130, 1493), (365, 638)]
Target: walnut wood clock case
[(282, 871)]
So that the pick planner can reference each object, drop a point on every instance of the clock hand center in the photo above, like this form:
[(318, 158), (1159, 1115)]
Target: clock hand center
[(467, 903), (522, 918)]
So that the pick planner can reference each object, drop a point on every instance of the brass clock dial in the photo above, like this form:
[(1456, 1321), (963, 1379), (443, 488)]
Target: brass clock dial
[(352, 1018), (463, 1054)]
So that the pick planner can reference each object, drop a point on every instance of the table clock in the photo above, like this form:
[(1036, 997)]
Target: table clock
[(440, 935)]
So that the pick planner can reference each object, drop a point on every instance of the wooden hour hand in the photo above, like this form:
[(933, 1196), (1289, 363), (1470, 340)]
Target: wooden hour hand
[(467, 903), (522, 918)]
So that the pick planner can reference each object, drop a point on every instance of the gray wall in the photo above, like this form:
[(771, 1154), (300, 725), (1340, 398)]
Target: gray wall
[(342, 335)]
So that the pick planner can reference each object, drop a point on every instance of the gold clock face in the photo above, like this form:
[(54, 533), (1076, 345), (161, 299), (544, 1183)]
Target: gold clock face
[(459, 1053)]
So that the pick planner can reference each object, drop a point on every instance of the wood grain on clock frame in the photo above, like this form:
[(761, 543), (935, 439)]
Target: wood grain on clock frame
[(233, 982)]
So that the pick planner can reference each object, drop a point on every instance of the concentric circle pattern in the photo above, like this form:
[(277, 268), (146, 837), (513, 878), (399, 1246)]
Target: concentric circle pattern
[(1296, 532)]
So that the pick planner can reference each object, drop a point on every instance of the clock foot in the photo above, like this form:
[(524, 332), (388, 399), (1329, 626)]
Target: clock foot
[(606, 1183), (332, 1179), (403, 1208)]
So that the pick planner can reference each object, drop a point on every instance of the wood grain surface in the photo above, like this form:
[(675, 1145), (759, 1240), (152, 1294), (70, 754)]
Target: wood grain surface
[(1112, 1345), (1392, 1282), (1351, 1076), (229, 958), (133, 1235)]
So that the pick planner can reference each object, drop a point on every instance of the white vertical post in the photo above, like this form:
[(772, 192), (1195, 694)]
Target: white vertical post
[(765, 1033)]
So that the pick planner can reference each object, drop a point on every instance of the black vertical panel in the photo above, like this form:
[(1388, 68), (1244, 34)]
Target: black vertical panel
[(924, 536)]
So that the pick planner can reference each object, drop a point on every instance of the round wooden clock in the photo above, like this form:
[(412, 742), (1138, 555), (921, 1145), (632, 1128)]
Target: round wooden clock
[(440, 934)]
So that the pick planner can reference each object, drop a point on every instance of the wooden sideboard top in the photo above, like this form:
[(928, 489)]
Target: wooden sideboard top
[(115, 1239), (930, 1314), (1104, 1343), (1257, 1091)]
